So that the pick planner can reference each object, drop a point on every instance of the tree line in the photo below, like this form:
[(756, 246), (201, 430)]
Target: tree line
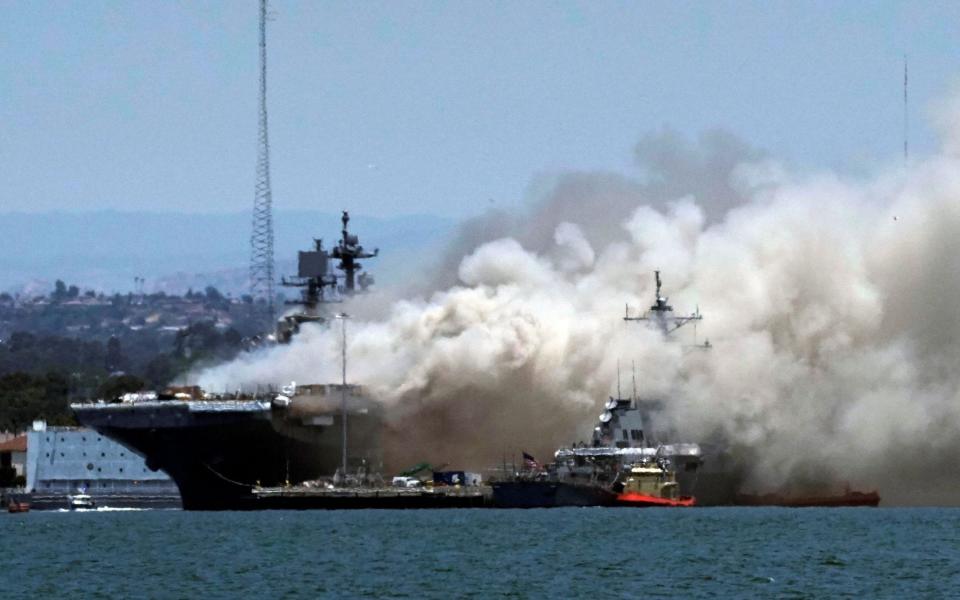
[(41, 374)]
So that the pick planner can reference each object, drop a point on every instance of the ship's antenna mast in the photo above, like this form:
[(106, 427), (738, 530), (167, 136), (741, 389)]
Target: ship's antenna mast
[(662, 313), (618, 379), (906, 114), (695, 326), (343, 395), (633, 367), (261, 236)]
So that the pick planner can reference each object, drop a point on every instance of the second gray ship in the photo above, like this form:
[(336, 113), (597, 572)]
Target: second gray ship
[(591, 474)]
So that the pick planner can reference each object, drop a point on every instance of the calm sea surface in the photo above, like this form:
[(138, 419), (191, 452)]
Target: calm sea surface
[(559, 553)]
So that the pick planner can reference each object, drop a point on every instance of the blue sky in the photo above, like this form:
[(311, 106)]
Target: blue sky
[(428, 107)]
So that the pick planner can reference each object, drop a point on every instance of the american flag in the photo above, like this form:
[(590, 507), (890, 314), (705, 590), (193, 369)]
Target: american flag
[(530, 462)]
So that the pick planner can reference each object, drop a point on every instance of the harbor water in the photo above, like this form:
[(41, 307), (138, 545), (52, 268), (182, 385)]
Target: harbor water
[(576, 552)]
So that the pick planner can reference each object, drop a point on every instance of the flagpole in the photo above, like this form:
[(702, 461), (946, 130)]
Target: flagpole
[(343, 393)]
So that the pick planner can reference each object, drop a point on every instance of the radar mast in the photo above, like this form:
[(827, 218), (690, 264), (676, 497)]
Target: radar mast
[(348, 251), (318, 282), (661, 314)]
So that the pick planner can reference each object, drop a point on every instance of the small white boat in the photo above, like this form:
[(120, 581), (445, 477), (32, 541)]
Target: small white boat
[(81, 501)]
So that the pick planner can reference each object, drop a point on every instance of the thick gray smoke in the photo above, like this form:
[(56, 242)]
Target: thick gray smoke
[(830, 305), (600, 202)]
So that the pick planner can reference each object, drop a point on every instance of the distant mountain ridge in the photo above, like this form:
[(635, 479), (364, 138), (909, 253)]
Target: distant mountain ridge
[(106, 250)]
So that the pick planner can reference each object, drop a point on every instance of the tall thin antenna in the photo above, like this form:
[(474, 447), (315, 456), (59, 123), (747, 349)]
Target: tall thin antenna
[(343, 396), (618, 379), (906, 114), (261, 236), (695, 327), (633, 366)]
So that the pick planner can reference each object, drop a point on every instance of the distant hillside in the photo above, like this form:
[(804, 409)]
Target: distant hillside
[(107, 249)]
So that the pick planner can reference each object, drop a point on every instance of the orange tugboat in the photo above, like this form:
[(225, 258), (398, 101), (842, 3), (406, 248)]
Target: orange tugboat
[(652, 485)]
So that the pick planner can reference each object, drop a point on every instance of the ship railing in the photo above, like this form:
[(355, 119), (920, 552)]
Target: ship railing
[(192, 405), (371, 491), (678, 449)]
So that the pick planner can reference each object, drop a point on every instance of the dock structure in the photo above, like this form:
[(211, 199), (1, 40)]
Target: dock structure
[(304, 497)]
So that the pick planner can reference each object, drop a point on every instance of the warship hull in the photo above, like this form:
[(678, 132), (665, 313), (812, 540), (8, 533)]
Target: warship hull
[(218, 452)]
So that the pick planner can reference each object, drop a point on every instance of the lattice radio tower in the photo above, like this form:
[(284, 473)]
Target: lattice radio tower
[(261, 236)]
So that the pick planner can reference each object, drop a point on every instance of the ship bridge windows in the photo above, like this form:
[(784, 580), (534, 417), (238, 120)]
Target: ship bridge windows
[(625, 434)]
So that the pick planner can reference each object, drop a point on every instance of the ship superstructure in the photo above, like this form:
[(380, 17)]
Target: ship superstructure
[(319, 285)]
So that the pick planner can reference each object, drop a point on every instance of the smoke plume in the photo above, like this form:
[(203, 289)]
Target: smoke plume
[(830, 305)]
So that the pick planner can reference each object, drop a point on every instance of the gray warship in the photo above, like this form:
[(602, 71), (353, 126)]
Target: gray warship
[(718, 478), (626, 435), (593, 474), (218, 447)]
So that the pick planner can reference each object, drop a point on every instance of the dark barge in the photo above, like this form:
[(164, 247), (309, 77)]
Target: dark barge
[(307, 498)]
